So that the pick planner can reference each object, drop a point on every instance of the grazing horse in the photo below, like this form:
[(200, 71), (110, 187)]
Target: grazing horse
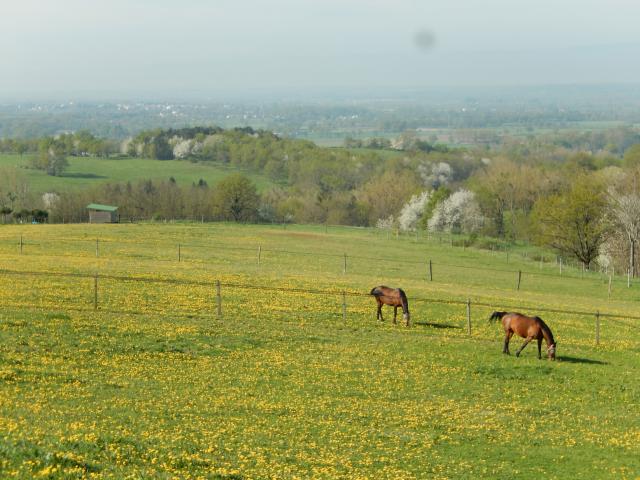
[(394, 297), (528, 328)]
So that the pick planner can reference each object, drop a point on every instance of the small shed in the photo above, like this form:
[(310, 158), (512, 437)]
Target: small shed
[(102, 213)]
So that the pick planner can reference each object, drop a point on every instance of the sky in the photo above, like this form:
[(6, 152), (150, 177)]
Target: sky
[(193, 48)]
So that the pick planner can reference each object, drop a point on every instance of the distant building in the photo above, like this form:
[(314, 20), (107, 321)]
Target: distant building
[(102, 213)]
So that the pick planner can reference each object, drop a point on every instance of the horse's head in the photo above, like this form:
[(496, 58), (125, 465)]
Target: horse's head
[(497, 315), (551, 351)]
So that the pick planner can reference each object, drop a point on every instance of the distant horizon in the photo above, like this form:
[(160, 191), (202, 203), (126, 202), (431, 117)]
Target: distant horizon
[(312, 94)]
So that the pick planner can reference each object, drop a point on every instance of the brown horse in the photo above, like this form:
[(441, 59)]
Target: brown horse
[(394, 297), (528, 328)]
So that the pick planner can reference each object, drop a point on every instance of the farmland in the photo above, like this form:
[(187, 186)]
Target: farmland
[(84, 172), (153, 384)]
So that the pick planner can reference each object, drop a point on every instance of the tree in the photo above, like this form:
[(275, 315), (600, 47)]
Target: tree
[(631, 157), (457, 213), (385, 195), (236, 198), (573, 222), (412, 211), (625, 211), (4, 211)]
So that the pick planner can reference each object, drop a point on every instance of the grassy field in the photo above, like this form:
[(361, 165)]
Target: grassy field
[(85, 172), (153, 384)]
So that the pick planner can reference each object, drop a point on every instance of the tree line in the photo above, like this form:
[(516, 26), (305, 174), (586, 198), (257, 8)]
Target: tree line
[(582, 203)]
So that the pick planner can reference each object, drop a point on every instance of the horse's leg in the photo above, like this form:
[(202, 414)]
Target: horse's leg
[(526, 342), (379, 315), (395, 314), (539, 349), (507, 337)]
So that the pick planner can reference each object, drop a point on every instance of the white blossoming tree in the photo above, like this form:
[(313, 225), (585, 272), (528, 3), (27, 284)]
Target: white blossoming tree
[(386, 223), (458, 213), (412, 211), (182, 149)]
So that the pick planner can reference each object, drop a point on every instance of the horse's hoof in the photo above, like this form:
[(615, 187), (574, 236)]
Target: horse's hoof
[(517, 354)]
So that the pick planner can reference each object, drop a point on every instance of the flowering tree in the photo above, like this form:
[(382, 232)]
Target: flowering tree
[(458, 213), (413, 211), (385, 223)]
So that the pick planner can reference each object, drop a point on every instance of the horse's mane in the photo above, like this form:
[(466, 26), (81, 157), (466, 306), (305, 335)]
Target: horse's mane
[(546, 330), (405, 302), (497, 315)]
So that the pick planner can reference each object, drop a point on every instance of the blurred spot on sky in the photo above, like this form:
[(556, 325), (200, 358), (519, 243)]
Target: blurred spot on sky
[(425, 40)]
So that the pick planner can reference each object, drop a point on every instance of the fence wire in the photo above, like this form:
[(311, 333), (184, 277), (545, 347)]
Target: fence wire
[(280, 289)]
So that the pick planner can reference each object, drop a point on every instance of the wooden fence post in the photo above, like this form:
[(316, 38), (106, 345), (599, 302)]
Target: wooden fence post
[(21, 244), (179, 253), (259, 253), (97, 248), (344, 267), (598, 328), (469, 316), (344, 306), (218, 299), (95, 292), (519, 279), (430, 271)]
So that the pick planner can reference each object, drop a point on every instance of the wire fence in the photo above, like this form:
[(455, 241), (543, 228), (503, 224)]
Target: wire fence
[(121, 294), (428, 268)]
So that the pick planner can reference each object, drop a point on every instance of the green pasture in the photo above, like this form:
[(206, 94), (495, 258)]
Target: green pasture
[(84, 172), (154, 384)]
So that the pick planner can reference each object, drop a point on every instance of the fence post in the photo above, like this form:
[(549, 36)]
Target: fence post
[(609, 297), (21, 244), (430, 271), (95, 292), (344, 267), (344, 306), (598, 328), (469, 316), (97, 248), (259, 253), (519, 278), (218, 299), (179, 253)]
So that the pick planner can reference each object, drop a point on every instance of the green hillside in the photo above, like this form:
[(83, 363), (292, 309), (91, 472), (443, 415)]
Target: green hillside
[(134, 374), (84, 172)]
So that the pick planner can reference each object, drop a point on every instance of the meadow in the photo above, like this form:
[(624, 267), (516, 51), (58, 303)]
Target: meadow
[(154, 384), (84, 172)]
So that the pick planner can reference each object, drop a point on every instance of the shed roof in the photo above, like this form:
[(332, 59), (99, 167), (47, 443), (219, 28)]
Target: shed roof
[(102, 208)]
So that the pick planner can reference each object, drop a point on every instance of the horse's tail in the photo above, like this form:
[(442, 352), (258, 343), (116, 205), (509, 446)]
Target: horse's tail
[(497, 315), (405, 302)]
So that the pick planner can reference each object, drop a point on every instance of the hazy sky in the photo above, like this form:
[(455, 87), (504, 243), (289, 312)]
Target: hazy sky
[(187, 47)]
